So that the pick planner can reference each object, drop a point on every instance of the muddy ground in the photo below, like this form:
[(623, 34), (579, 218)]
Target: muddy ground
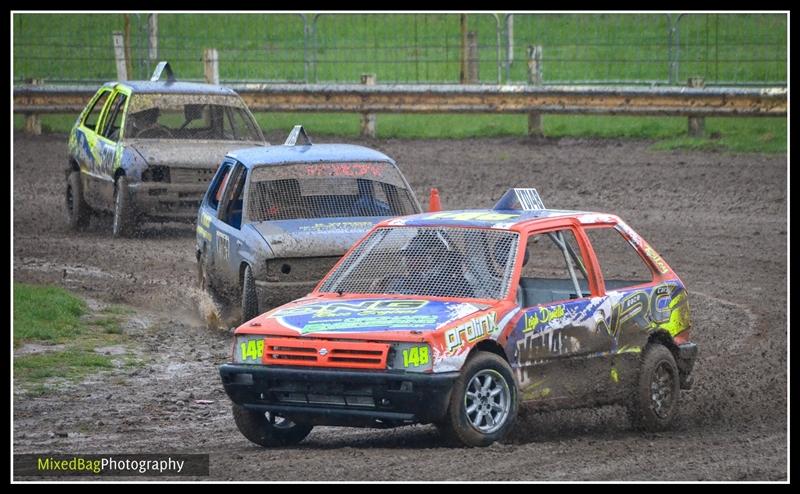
[(719, 219)]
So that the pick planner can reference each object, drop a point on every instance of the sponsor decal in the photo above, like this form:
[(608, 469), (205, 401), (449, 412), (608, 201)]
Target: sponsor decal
[(205, 220), (542, 316), (222, 245), (471, 331), (203, 233), (366, 308), (657, 260), (339, 226)]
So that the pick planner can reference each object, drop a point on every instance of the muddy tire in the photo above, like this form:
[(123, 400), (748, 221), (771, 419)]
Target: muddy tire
[(267, 430), (654, 402), (123, 209), (249, 295), (76, 207), (483, 402)]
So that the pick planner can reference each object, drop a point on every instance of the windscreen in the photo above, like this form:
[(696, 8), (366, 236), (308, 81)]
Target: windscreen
[(429, 261), (189, 116), (327, 190)]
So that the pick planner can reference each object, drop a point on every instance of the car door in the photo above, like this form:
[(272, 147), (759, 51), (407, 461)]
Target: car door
[(560, 346), (85, 148), (226, 233), (637, 299), (109, 146)]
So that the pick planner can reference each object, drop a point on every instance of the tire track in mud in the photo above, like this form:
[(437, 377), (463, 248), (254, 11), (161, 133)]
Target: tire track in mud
[(731, 426)]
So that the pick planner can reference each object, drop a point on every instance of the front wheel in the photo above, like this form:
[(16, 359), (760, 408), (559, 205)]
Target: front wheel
[(483, 403), (654, 402), (249, 295), (267, 429)]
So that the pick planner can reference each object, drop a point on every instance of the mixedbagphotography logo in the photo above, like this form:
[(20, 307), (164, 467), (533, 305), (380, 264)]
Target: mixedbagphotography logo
[(146, 465)]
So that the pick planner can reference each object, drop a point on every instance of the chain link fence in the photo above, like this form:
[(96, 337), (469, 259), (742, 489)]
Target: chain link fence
[(608, 49)]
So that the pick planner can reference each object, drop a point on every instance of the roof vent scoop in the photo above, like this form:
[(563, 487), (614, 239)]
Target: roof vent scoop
[(161, 67), (298, 132), (524, 199)]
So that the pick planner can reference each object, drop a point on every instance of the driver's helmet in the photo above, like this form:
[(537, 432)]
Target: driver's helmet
[(426, 252), (145, 119)]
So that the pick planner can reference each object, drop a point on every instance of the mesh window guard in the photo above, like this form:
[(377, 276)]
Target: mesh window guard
[(325, 197), (429, 261)]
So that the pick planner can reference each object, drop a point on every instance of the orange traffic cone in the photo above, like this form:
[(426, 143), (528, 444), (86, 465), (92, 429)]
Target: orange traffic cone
[(434, 204)]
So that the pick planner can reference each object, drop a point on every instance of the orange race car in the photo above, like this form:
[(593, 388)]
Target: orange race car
[(454, 318)]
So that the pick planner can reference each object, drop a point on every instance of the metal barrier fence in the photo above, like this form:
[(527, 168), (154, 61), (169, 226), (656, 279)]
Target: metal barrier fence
[(556, 49)]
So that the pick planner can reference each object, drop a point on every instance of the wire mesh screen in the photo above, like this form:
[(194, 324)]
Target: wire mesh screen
[(189, 116), (279, 196), (429, 261)]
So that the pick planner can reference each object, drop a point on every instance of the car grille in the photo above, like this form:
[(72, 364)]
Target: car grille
[(325, 353), (190, 175)]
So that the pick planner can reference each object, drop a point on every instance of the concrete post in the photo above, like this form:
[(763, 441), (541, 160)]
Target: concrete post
[(697, 125), (119, 55), (535, 79), (368, 120), (211, 65), (33, 122)]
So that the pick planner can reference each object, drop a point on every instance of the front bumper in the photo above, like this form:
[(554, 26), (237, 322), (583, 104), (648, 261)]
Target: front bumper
[(340, 397), (687, 354), (166, 201)]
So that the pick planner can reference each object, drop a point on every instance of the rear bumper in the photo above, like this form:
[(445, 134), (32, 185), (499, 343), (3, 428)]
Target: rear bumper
[(334, 397), (167, 201), (687, 354)]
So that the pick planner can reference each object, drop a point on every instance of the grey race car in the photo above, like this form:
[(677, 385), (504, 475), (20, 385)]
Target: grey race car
[(275, 219)]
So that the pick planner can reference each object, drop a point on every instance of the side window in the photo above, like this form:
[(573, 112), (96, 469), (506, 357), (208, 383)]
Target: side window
[(231, 203), (218, 186), (94, 114), (113, 121), (619, 261), (553, 269)]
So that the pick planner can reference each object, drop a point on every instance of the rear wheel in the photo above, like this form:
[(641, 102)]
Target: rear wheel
[(123, 209), (654, 402), (249, 295), (483, 402), (267, 429), (76, 207)]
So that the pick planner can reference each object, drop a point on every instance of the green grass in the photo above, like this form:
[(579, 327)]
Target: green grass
[(46, 313), (71, 364), (723, 48), (49, 315), (738, 134)]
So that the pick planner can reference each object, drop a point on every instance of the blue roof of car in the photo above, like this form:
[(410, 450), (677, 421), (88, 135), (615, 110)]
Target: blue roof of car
[(486, 218), (174, 87), (316, 153)]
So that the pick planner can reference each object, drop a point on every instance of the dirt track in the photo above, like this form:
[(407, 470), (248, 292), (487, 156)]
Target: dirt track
[(718, 219)]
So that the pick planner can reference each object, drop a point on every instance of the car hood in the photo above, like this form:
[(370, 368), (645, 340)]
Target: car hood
[(359, 315), (185, 153), (316, 236)]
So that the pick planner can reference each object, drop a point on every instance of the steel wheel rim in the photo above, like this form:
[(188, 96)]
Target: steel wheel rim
[(277, 421), (661, 390), (487, 402)]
